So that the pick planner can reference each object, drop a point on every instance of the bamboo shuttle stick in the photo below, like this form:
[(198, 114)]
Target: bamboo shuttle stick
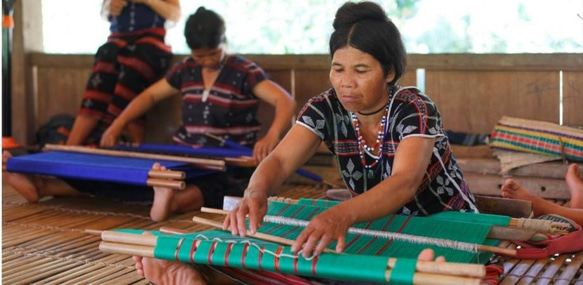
[(493, 249), (172, 184), (166, 174), (260, 236), (243, 161), (127, 249), (436, 279), (128, 238), (202, 163), (173, 231)]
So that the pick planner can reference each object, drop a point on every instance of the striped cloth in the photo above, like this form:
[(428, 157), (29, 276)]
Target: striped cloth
[(538, 137)]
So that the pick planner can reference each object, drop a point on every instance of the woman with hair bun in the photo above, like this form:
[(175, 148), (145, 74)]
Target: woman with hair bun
[(389, 141)]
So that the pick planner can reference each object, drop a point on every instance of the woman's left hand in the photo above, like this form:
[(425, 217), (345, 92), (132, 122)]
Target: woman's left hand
[(329, 225), (264, 146)]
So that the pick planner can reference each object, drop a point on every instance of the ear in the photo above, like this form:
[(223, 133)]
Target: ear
[(390, 76)]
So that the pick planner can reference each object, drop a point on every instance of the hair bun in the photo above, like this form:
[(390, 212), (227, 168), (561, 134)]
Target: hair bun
[(351, 13)]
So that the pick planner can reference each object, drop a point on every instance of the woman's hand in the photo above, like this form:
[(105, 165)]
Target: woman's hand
[(115, 7), (254, 206), (332, 224), (264, 146), (110, 136)]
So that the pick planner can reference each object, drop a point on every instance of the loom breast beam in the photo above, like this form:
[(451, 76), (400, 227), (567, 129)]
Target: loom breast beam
[(473, 270), (201, 163), (303, 172), (382, 234), (140, 245)]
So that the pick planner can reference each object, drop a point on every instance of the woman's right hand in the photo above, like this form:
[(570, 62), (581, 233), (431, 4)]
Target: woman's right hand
[(254, 207), (110, 136)]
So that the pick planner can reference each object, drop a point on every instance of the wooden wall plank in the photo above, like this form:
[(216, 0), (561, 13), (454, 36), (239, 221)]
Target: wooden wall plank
[(409, 78), (473, 101), (471, 91), (59, 92), (309, 83), (573, 98)]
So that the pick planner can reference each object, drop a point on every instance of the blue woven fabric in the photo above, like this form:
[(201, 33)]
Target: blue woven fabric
[(93, 167)]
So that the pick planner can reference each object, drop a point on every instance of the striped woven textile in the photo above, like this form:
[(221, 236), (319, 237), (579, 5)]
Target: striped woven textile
[(538, 137)]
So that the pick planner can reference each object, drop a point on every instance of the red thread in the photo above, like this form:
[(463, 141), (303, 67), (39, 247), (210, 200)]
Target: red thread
[(178, 249)]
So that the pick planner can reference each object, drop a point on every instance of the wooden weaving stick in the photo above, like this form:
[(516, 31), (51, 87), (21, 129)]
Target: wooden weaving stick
[(201, 163), (172, 184), (487, 248), (299, 171), (166, 174)]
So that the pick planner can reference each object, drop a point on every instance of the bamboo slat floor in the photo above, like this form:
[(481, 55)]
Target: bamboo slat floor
[(46, 243)]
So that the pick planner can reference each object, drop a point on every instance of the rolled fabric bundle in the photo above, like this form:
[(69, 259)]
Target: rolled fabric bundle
[(538, 137)]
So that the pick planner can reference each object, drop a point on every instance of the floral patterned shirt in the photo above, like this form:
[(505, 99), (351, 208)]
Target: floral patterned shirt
[(410, 113)]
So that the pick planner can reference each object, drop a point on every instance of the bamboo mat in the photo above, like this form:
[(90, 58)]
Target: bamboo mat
[(45, 243)]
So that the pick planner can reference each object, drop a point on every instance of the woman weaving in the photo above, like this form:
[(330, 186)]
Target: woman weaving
[(220, 96), (390, 144)]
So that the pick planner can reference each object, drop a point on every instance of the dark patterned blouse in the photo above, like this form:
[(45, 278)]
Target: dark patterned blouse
[(410, 113), (230, 107)]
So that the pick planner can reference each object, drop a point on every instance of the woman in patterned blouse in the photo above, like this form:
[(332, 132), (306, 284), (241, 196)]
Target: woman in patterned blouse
[(220, 96), (389, 141)]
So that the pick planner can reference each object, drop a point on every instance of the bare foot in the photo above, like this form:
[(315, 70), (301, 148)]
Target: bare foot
[(513, 190), (162, 200), (164, 272), (24, 184), (575, 184)]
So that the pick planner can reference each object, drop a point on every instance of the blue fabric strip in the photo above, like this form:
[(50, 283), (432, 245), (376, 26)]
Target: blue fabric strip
[(92, 167)]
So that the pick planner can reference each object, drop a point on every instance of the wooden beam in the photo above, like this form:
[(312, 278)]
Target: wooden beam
[(501, 206), (554, 170), (489, 185)]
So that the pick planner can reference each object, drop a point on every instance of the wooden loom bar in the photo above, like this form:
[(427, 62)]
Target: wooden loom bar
[(166, 174), (122, 237), (173, 184), (493, 249), (418, 277), (429, 271), (127, 249), (422, 266), (201, 163)]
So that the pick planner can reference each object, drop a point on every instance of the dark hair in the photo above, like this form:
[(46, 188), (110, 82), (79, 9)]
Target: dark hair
[(204, 29), (366, 27)]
